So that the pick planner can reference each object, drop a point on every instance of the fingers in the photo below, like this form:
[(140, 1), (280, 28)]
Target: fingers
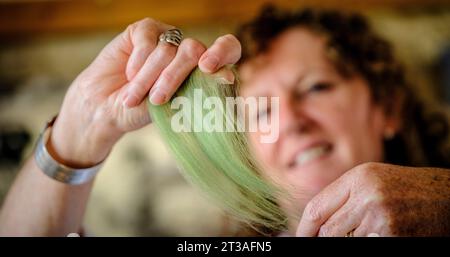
[(131, 48), (163, 72), (147, 75), (225, 50), (376, 222), (143, 36), (343, 221), (175, 73), (322, 207), (161, 68)]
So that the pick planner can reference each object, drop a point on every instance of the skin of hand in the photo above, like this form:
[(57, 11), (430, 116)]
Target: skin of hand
[(104, 102), (385, 199), (107, 99)]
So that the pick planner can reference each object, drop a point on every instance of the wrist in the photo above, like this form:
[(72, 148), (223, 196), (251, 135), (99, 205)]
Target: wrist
[(79, 146)]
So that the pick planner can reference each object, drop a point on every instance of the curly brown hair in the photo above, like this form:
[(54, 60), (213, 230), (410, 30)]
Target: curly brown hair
[(356, 49)]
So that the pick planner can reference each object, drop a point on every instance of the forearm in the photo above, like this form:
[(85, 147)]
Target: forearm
[(37, 205), (106, 100)]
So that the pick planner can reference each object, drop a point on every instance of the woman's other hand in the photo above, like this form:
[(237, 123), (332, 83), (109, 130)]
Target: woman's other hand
[(107, 99), (383, 200)]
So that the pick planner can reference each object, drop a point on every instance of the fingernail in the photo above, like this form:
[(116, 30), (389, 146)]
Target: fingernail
[(224, 81), (157, 97), (224, 76), (211, 63)]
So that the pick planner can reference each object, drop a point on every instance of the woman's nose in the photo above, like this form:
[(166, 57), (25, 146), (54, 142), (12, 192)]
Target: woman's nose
[(292, 117)]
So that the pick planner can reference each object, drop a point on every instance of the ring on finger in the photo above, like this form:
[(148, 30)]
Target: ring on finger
[(171, 36)]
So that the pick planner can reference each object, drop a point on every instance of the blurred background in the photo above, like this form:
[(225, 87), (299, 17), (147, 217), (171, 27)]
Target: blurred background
[(44, 44)]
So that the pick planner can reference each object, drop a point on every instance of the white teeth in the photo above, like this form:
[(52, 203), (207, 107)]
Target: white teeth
[(311, 154)]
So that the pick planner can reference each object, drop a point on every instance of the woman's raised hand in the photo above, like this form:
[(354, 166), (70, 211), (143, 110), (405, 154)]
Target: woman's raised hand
[(107, 99)]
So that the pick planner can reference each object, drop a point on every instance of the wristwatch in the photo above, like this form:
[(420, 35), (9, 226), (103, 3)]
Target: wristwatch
[(56, 170)]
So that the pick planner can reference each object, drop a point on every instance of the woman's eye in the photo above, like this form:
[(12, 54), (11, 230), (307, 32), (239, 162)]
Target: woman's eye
[(319, 87)]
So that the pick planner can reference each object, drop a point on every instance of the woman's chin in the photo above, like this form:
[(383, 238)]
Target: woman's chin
[(316, 174)]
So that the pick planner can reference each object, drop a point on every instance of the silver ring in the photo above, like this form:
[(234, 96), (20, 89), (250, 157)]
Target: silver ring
[(171, 36)]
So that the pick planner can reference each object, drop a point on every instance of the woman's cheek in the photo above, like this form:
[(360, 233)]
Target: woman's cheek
[(353, 138)]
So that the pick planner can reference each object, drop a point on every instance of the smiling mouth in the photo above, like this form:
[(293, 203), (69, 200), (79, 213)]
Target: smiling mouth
[(310, 155)]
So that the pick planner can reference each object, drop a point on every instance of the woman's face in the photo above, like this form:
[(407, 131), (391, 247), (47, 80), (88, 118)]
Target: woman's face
[(328, 123)]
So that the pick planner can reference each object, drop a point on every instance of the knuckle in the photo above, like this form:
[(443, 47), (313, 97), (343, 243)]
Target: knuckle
[(138, 87), (363, 171), (131, 28), (312, 212), (325, 231), (371, 201), (141, 22), (367, 166), (146, 27), (146, 21), (374, 200), (192, 49), (380, 222), (85, 80), (167, 77), (367, 176)]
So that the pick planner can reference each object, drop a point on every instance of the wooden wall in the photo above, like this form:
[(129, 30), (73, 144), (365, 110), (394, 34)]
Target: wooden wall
[(32, 16)]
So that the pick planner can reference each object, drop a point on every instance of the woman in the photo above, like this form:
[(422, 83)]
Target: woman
[(344, 110)]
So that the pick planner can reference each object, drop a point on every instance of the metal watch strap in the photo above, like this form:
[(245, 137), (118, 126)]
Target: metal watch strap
[(56, 170)]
